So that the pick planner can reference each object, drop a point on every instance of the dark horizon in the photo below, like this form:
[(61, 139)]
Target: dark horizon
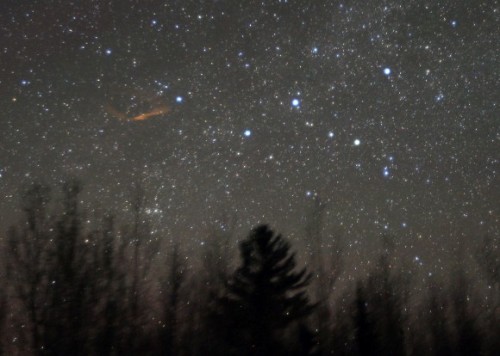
[(111, 284)]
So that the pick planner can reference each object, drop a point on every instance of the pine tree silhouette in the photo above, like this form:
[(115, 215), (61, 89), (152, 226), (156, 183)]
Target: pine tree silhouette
[(264, 296), (366, 338)]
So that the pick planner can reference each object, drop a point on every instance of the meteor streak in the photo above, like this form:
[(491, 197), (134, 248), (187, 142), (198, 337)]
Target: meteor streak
[(155, 112), (135, 105), (160, 110)]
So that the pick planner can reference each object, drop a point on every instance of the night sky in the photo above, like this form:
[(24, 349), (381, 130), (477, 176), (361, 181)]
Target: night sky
[(386, 111)]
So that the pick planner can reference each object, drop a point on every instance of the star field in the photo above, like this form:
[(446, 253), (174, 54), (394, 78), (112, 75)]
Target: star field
[(385, 110)]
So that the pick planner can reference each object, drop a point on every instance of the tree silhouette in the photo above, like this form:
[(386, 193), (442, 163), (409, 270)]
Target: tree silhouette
[(468, 337), (47, 269), (111, 287), (170, 302), (488, 260), (69, 279), (325, 257), (140, 249), (49, 264), (380, 320), (365, 332), (264, 296), (3, 312), (440, 343), (28, 246), (208, 284)]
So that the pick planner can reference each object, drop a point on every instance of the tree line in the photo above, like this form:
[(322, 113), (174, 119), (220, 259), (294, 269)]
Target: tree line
[(74, 286)]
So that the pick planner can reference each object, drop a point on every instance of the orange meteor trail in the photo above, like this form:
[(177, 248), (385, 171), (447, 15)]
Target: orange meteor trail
[(156, 110)]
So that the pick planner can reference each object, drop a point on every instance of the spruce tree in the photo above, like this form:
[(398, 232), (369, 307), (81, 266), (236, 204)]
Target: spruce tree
[(265, 296)]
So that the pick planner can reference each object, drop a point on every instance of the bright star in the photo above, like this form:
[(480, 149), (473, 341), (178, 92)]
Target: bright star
[(179, 99), (295, 102), (247, 133), (357, 142), (387, 71)]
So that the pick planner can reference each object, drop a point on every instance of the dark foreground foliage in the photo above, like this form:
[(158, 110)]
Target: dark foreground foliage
[(263, 299), (74, 288)]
